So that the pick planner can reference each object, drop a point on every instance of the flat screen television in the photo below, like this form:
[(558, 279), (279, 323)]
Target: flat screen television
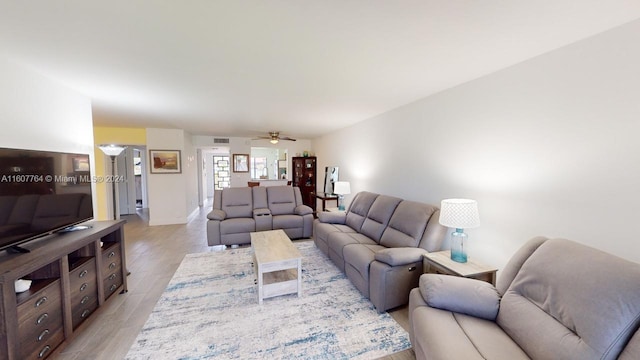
[(42, 192)]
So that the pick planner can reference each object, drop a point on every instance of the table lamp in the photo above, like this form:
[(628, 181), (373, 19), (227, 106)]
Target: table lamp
[(459, 214), (341, 188)]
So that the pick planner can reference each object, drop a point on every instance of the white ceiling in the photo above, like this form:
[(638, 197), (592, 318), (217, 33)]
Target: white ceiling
[(302, 67)]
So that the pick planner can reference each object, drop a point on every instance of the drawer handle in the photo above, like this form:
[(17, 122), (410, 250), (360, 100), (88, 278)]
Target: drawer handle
[(44, 351), (84, 287), (41, 301), (112, 276), (111, 254), (85, 313), (113, 287), (41, 318), (83, 273), (43, 334), (412, 268), (112, 266), (84, 300)]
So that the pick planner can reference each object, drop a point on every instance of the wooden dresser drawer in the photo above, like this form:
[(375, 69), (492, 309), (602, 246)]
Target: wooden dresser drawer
[(112, 269), (84, 291), (40, 322), (40, 349)]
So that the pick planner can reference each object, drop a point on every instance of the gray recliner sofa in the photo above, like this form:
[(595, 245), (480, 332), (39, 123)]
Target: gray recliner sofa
[(555, 299), (237, 212), (379, 243)]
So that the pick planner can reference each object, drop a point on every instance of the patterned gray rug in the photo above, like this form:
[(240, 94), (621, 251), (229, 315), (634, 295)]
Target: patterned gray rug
[(210, 310)]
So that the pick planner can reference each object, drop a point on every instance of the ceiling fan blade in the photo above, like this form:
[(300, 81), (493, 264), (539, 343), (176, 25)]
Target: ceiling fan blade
[(287, 138)]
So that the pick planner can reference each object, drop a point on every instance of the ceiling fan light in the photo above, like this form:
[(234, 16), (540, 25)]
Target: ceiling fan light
[(273, 141)]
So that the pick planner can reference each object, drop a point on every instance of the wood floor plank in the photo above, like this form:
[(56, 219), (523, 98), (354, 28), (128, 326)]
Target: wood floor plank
[(153, 255)]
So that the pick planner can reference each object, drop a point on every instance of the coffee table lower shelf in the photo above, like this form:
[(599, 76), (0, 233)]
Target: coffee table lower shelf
[(278, 264), (278, 282)]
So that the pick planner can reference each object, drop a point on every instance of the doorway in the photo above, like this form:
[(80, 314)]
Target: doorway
[(132, 184)]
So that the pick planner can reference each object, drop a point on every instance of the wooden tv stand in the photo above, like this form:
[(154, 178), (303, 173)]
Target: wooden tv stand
[(72, 275)]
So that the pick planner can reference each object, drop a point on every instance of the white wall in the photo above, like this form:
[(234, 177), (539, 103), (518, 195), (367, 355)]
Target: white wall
[(39, 114), (172, 197), (547, 147)]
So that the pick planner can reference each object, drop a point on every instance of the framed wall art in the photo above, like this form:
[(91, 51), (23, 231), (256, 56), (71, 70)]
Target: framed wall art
[(165, 161), (240, 162)]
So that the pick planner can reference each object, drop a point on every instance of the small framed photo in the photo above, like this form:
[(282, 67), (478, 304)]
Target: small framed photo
[(240, 162), (165, 161), (81, 164)]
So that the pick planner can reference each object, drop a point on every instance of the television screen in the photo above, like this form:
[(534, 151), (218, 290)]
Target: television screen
[(42, 192)]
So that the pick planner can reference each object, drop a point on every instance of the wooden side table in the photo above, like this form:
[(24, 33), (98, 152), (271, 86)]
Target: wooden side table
[(440, 263), (325, 197)]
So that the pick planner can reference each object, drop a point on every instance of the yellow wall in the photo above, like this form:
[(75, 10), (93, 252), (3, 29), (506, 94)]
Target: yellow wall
[(111, 135)]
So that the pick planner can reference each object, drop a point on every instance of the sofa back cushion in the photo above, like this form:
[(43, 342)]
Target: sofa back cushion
[(260, 197), (281, 200), (407, 225), (378, 216), (359, 209), (237, 202), (572, 301)]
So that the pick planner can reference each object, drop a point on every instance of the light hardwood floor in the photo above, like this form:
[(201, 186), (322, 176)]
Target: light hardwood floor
[(153, 255)]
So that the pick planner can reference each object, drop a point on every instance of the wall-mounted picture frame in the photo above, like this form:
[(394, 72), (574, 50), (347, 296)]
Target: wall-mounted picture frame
[(165, 161), (240, 163)]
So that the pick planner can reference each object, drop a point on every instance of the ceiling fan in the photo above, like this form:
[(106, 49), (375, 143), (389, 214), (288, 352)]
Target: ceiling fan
[(274, 137)]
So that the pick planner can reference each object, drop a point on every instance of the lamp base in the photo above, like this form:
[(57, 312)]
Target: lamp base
[(458, 248), (341, 202)]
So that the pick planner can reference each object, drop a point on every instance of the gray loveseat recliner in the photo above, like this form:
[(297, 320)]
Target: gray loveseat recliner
[(379, 243), (239, 211), (555, 299)]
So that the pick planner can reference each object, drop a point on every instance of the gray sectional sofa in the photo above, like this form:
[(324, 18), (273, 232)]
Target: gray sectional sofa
[(239, 211), (555, 299), (379, 242)]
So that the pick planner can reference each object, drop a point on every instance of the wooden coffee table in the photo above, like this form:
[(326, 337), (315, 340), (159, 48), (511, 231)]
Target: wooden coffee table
[(278, 264)]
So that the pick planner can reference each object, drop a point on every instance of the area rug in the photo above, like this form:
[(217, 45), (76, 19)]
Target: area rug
[(210, 310)]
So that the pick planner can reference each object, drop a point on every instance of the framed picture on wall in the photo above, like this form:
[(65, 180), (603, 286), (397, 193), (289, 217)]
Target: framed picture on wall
[(240, 162), (165, 161)]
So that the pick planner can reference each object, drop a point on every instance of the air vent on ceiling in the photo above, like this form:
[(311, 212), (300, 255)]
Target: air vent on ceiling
[(220, 140)]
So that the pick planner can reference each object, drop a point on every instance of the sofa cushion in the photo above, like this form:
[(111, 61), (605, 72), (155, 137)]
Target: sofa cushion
[(407, 225), (632, 350), (358, 259), (281, 200), (378, 216), (237, 202), (287, 221), (444, 335), (237, 225), (458, 294), (359, 209), (587, 302)]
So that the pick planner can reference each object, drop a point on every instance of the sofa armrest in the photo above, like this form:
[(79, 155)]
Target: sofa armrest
[(303, 210), (261, 212), (216, 214), (332, 217), (400, 256), (462, 295)]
